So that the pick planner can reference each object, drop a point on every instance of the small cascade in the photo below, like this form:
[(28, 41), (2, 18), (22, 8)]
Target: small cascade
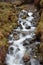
[(22, 35)]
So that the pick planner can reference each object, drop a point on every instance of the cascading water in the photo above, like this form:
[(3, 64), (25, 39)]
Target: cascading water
[(16, 40)]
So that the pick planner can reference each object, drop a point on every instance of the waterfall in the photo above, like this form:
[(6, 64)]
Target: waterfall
[(16, 49)]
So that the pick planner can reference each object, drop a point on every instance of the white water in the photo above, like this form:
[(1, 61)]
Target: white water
[(34, 62), (17, 50)]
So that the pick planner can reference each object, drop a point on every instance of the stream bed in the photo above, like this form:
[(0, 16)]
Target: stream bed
[(23, 41)]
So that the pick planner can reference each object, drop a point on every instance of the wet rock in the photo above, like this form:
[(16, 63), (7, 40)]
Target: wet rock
[(24, 17), (26, 58), (26, 42), (28, 27), (16, 37), (24, 33), (23, 14), (20, 26)]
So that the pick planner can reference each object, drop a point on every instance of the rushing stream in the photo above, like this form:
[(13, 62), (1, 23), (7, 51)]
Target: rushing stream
[(20, 39)]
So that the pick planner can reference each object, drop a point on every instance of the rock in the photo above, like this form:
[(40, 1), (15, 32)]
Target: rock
[(26, 58), (23, 14), (26, 42), (16, 37), (28, 27)]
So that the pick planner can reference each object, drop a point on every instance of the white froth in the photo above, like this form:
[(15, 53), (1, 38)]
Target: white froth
[(15, 56)]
